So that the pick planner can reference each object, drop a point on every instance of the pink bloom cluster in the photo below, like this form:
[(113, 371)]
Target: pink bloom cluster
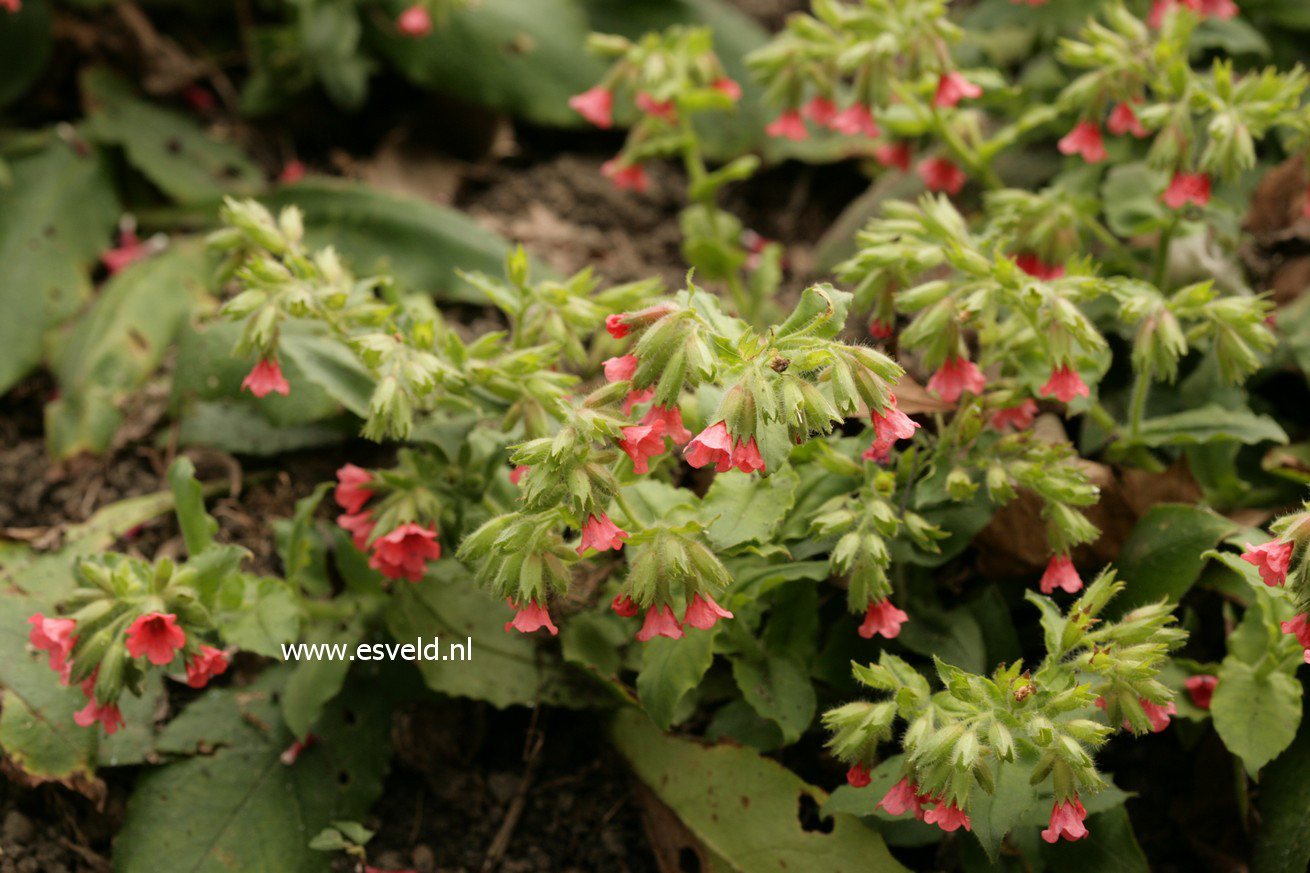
[(904, 797), (939, 174), (854, 120), (415, 22), (701, 613), (714, 445), (1187, 188), (1064, 385), (1272, 559), (404, 552), (1205, 8)]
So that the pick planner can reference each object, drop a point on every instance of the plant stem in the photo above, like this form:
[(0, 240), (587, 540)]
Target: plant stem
[(966, 155), (633, 521), (1137, 406), (1162, 253)]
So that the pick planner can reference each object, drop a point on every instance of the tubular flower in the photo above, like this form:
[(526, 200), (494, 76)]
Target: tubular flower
[(902, 796), (351, 493), (1061, 573), (889, 426), (292, 173), (1204, 8), (404, 553), (884, 619), (1158, 713), (894, 154), (1187, 187), (130, 249), (1064, 385), (855, 120), (626, 176), (155, 636), (266, 378), (955, 377), (596, 105), (729, 87), (106, 714), (879, 329), (642, 442), (656, 108), (820, 110), (1299, 627), (1272, 560), (624, 606), (620, 324), (948, 817), (670, 418), (516, 475), (414, 22), (360, 527), (1201, 689), (715, 445), (1035, 267), (620, 369), (789, 125), (1085, 140), (529, 617), (939, 174), (636, 398), (205, 665), (1124, 120), (54, 635), (858, 776), (1018, 417), (599, 533), (703, 612), (1066, 821), (659, 623), (952, 88)]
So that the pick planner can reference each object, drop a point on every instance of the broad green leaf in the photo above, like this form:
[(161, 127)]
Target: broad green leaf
[(233, 426), (198, 526), (167, 147), (25, 40), (744, 807), (55, 219), (821, 311), (1255, 713), (778, 687), (1208, 424), (736, 720), (1163, 555), (1130, 193), (955, 636), (671, 668), (331, 365), (744, 509), (311, 684), (257, 614), (301, 547), (994, 815), (1110, 847), (1282, 842)]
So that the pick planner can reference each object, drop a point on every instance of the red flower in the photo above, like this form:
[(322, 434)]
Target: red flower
[(858, 776), (1204, 8), (624, 175), (205, 665), (1184, 187), (879, 329), (1064, 385), (292, 173), (54, 635), (729, 87), (516, 475), (156, 636), (789, 125), (1035, 267), (1298, 626), (642, 442), (350, 493), (955, 377), (1124, 120), (947, 817), (266, 378), (658, 108), (1158, 713), (670, 418), (599, 533), (1085, 140), (13, 6), (596, 105), (855, 119), (939, 174), (130, 250), (1201, 689), (1061, 573), (620, 369), (902, 796), (617, 327), (883, 619), (1272, 560), (359, 526), (893, 154), (636, 398), (624, 605), (108, 716), (1019, 417), (414, 21), (292, 753), (952, 88), (889, 426), (1066, 821), (530, 617), (659, 623), (404, 553), (820, 110), (715, 444), (703, 612)]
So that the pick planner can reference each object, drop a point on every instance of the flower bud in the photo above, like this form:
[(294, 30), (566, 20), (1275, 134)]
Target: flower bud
[(960, 485)]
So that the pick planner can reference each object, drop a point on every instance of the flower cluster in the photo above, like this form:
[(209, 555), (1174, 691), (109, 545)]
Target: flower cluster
[(406, 547)]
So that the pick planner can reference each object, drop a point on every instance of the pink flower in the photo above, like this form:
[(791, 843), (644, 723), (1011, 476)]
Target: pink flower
[(620, 369), (292, 753), (1300, 627), (939, 174), (714, 444), (617, 327), (636, 398), (659, 623), (404, 553), (292, 173), (894, 154), (820, 110), (13, 6), (889, 426), (1035, 267), (1124, 120), (596, 105), (642, 442), (516, 475), (351, 493), (1066, 821), (108, 716), (902, 796), (1204, 8), (1064, 385), (54, 635), (624, 606), (947, 817), (626, 176), (670, 420), (858, 776), (1085, 140), (1061, 573), (156, 636), (266, 378), (952, 88), (879, 329), (205, 665), (883, 619), (530, 617), (703, 612), (360, 527), (599, 533), (729, 87), (414, 22), (1158, 713), (656, 108), (130, 250), (1201, 689), (1272, 560), (789, 125), (955, 377), (1018, 417), (1185, 187), (855, 119), (746, 457)]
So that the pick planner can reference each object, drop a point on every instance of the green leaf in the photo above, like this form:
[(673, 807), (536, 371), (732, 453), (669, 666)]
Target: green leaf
[(1209, 424), (955, 636), (233, 426), (313, 683), (1130, 193), (1282, 842), (301, 547), (746, 509), (777, 687), (994, 815), (25, 40), (257, 614), (167, 147), (55, 219), (1163, 555), (1255, 715), (743, 807), (671, 668), (198, 526), (820, 312), (331, 365), (1110, 847)]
